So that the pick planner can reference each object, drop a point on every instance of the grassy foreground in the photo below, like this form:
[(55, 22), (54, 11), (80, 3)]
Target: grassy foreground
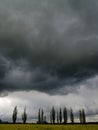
[(46, 127)]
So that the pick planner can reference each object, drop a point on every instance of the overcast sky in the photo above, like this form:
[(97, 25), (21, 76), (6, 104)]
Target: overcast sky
[(48, 56)]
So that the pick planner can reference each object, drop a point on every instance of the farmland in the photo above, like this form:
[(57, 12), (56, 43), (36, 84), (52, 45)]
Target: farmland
[(47, 127)]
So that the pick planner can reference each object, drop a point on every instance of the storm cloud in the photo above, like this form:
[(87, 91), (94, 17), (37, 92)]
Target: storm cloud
[(47, 45)]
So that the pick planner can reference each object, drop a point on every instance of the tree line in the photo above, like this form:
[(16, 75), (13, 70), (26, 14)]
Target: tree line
[(14, 115), (56, 116), (61, 116)]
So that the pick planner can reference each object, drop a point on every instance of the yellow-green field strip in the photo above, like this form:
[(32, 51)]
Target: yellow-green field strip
[(47, 127)]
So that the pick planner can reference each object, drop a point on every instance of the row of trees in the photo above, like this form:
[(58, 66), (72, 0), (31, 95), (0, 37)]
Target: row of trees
[(82, 116), (14, 115), (60, 116), (63, 116), (41, 117)]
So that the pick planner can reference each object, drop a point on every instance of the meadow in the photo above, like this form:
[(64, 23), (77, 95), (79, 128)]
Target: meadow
[(47, 127)]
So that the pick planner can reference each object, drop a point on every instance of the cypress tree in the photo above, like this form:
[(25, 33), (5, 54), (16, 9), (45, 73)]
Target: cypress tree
[(53, 115), (39, 117), (14, 116), (83, 116), (71, 116), (42, 116), (80, 116), (24, 116), (60, 116), (65, 115), (57, 117)]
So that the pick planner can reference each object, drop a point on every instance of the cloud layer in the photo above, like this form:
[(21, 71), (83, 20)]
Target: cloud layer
[(84, 97), (46, 45)]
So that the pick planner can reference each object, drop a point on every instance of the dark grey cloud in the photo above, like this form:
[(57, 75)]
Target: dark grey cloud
[(45, 45), (85, 97)]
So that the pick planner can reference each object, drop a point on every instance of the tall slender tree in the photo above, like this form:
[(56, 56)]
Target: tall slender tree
[(14, 115), (65, 115), (80, 116), (53, 115), (0, 121), (71, 116), (57, 117), (24, 116), (42, 116), (60, 115), (83, 116), (39, 117)]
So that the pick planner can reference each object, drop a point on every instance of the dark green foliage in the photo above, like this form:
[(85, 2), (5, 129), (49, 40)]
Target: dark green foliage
[(60, 116), (65, 115), (53, 115), (24, 116), (82, 116), (14, 115), (39, 117), (71, 116), (0, 121), (57, 117), (42, 116)]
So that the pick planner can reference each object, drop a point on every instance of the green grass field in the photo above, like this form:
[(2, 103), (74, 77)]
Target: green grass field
[(47, 127)]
